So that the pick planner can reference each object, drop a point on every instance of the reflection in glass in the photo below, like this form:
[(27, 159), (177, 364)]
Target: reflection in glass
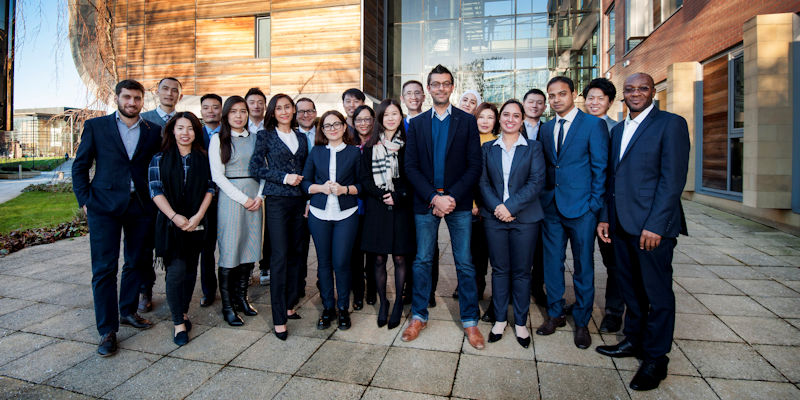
[(736, 158), (486, 8), (441, 9), (738, 92), (406, 41), (527, 80), (531, 6), (441, 44), (532, 39), (406, 10), (495, 87), (488, 44)]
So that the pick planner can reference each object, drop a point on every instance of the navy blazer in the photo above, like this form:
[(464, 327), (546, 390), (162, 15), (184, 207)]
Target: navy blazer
[(525, 181), (272, 161), (576, 178), (317, 171), (462, 159), (109, 191), (645, 186)]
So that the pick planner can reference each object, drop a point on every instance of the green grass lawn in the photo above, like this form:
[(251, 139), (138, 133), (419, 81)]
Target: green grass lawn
[(36, 210), (39, 164)]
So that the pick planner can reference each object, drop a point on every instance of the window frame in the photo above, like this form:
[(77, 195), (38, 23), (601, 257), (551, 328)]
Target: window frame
[(257, 20)]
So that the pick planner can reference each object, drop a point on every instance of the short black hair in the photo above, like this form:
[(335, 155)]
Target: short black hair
[(354, 92), (440, 69), (603, 84), (305, 99), (564, 79), (129, 84), (211, 96), (411, 82), (533, 91), (169, 78), (255, 91)]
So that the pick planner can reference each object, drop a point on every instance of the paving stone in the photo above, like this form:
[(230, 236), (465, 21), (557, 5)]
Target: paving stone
[(307, 388), (688, 304), (97, 375), (91, 336), (762, 288), (707, 285), (785, 359), (19, 344), (8, 305), (691, 271), (507, 347), (416, 370), (66, 324), (703, 327), (732, 305), (438, 335), (240, 383), (560, 347), (785, 307), (365, 330), (167, 378), (447, 309), (674, 387), (728, 360), (758, 330), (376, 393), (735, 272), (558, 381), (159, 338), (16, 286), (48, 361), (781, 273), (218, 345), (11, 388), (743, 390), (30, 315), (678, 363), (65, 294), (344, 362), (792, 260), (38, 392), (795, 322), (707, 255), (480, 377), (272, 354)]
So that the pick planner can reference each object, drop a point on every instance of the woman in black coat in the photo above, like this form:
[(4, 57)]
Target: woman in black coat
[(389, 218)]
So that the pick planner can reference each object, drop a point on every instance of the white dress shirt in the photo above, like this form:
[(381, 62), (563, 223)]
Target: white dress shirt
[(290, 140), (332, 212), (507, 159), (218, 170), (569, 118), (532, 130), (163, 114), (630, 128), (254, 128)]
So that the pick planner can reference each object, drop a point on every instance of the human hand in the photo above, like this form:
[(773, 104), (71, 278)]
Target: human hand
[(502, 213), (305, 213), (602, 232), (180, 221), (475, 211), (388, 200), (294, 179), (649, 240), (193, 222)]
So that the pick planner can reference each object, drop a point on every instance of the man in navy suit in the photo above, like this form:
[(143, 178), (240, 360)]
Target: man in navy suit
[(576, 154), (117, 200), (642, 219), (443, 164), (211, 111)]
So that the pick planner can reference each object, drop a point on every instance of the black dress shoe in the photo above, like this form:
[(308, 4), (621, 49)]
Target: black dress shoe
[(610, 324), (493, 337), (135, 321), (325, 319), (524, 342), (650, 374), (293, 316), (549, 327), (181, 338), (357, 305), (455, 293), (281, 335), (206, 301), (108, 345), (582, 338), (344, 320), (619, 350), (432, 302), (145, 301), (188, 325), (568, 308), (372, 298)]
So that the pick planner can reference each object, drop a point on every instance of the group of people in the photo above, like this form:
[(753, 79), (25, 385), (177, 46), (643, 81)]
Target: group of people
[(512, 189)]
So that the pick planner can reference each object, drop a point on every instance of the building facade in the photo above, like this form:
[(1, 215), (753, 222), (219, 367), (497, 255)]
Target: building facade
[(44, 132), (727, 67)]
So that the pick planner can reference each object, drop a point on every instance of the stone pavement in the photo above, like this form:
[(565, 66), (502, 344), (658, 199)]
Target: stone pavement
[(737, 336)]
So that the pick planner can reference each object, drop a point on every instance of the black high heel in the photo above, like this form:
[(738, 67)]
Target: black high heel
[(383, 313), (397, 315), (281, 335)]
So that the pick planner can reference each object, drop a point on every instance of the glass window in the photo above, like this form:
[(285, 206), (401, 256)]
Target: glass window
[(441, 44), (406, 40), (489, 43), (638, 21), (486, 8), (262, 37), (441, 9), (527, 80), (494, 87), (406, 10), (612, 36), (738, 92), (531, 6), (532, 41)]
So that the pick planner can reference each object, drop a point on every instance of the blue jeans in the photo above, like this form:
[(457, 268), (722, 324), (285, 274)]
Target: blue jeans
[(459, 223)]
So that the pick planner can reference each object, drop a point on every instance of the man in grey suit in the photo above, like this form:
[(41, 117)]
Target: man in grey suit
[(169, 94), (599, 95)]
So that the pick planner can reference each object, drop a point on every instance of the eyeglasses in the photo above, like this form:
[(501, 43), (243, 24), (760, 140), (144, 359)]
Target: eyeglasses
[(361, 121), (437, 85), (335, 125), (306, 112), (640, 89)]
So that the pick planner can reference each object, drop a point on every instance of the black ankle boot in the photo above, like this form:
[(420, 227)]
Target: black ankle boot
[(241, 301), (227, 285), (344, 319)]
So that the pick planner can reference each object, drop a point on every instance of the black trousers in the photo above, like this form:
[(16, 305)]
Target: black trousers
[(208, 273), (285, 226), (511, 259), (361, 266), (104, 236), (537, 270), (180, 278), (645, 279), (480, 253), (615, 305), (266, 248), (303, 263)]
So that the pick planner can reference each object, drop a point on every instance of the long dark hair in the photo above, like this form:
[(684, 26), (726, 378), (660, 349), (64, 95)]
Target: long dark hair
[(380, 112), (225, 145), (358, 110), (168, 141), (269, 119), (319, 136), (521, 109), (493, 108)]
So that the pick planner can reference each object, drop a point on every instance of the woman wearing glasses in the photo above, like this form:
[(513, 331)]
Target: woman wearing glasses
[(331, 178)]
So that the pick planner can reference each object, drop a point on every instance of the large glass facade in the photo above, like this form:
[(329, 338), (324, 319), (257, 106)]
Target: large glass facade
[(501, 48)]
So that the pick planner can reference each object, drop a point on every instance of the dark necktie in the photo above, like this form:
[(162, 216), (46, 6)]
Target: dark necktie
[(560, 135)]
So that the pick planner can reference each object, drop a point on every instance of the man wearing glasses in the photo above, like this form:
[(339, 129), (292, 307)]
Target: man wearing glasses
[(306, 119), (443, 164)]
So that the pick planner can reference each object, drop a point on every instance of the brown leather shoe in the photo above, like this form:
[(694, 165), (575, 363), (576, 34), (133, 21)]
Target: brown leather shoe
[(474, 336), (582, 338), (549, 326), (413, 329)]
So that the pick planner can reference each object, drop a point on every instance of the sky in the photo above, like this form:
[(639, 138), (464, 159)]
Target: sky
[(44, 73)]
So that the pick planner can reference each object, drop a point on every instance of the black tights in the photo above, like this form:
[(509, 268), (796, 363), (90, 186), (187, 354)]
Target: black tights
[(400, 269)]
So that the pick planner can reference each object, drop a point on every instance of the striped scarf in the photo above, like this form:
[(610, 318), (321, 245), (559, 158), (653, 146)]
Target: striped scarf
[(385, 164)]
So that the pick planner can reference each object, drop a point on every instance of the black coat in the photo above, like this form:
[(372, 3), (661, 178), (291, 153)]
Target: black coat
[(387, 231)]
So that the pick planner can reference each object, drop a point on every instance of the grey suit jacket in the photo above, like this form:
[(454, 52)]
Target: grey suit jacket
[(153, 117), (610, 123)]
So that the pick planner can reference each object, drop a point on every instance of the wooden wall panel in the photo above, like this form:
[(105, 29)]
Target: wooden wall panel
[(231, 8), (226, 38), (135, 45), (169, 11), (715, 124), (306, 64), (229, 85), (169, 42), (320, 82), (280, 5), (254, 66), (164, 70), (121, 46), (121, 14), (136, 12), (373, 50), (316, 31), (151, 84)]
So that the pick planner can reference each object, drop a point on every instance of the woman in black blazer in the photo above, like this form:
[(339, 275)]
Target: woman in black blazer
[(388, 209), (278, 159), (331, 178), (512, 177)]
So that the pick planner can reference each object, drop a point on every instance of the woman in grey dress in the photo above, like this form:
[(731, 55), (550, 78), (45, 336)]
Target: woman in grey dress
[(238, 209)]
